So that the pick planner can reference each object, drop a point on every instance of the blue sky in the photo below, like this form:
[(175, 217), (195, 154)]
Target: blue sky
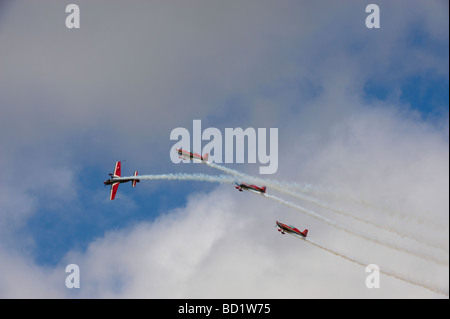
[(362, 116)]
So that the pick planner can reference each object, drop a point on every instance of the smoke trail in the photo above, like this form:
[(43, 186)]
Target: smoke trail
[(229, 179), (353, 232), (359, 219), (283, 186), (286, 188), (184, 177), (296, 189), (387, 273), (228, 170), (332, 191), (420, 220)]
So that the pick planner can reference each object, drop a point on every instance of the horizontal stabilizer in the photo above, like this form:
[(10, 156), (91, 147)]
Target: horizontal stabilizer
[(135, 180)]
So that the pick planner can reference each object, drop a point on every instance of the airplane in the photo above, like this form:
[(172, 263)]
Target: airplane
[(291, 229), (116, 179), (189, 155), (254, 188)]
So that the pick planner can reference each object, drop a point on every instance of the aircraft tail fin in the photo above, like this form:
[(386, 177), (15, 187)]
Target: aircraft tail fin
[(263, 189), (205, 157), (136, 180), (305, 232)]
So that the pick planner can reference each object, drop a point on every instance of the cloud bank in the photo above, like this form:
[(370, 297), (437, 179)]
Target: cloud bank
[(348, 136)]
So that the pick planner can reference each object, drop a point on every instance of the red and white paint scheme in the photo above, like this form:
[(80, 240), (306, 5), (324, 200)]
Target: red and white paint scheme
[(189, 155), (116, 179), (291, 229), (248, 187)]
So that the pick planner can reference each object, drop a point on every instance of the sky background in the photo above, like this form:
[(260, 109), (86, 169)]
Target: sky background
[(362, 118)]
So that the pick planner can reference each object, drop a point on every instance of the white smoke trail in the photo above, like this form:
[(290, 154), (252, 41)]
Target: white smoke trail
[(397, 232), (419, 220), (296, 189), (385, 272), (335, 193), (287, 188), (229, 179), (356, 233), (184, 177)]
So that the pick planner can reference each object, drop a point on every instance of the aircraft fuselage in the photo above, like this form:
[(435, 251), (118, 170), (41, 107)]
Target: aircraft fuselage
[(118, 180), (291, 229), (254, 188)]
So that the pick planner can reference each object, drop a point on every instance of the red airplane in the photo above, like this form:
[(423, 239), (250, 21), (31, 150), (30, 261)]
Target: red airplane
[(241, 186), (291, 229), (116, 179), (189, 155)]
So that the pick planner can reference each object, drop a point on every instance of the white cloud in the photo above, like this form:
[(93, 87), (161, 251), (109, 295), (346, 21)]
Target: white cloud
[(224, 245), (67, 91)]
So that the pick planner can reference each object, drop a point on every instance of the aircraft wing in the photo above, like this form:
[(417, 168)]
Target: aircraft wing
[(114, 188), (117, 169)]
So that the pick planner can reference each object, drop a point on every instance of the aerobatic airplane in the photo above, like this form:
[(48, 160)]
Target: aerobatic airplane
[(189, 155), (248, 187), (116, 179), (291, 229)]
